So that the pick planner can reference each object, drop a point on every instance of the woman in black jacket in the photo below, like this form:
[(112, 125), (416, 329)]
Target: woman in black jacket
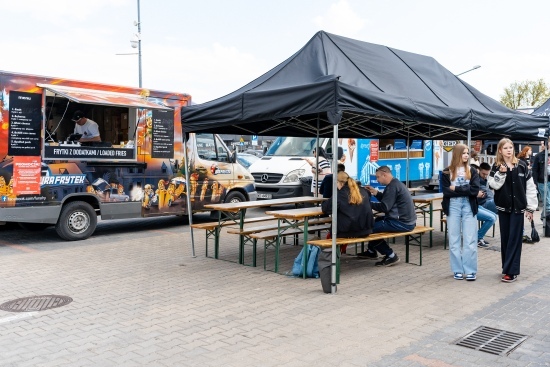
[(515, 194), (355, 217)]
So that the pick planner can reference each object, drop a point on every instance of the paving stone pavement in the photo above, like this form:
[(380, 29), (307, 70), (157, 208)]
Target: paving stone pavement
[(141, 299)]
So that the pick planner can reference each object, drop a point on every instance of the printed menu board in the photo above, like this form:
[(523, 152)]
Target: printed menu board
[(163, 134), (24, 124)]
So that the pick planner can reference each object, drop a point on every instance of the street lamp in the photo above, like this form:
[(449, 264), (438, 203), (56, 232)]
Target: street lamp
[(135, 42), (464, 72)]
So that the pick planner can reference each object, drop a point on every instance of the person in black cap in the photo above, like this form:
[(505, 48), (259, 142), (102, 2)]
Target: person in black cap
[(88, 128)]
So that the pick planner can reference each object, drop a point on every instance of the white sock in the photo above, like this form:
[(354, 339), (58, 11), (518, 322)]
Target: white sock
[(392, 255)]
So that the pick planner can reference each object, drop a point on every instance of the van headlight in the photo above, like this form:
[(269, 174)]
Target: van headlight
[(294, 176)]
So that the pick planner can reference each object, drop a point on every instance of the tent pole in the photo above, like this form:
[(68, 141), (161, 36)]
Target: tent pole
[(469, 141), (408, 165), (187, 188), (545, 193), (334, 210), (316, 189)]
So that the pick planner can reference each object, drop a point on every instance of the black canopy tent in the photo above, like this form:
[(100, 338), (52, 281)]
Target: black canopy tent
[(369, 90), (542, 110), (340, 87)]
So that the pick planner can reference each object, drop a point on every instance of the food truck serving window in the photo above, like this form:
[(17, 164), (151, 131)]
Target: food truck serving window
[(118, 116)]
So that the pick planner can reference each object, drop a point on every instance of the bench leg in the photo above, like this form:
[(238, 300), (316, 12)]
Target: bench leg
[(417, 240), (271, 243)]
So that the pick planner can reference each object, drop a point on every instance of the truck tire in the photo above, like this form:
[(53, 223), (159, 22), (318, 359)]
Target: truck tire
[(34, 227), (77, 221), (234, 197)]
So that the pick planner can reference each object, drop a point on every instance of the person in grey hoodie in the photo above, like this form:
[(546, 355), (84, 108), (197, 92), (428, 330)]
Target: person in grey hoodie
[(400, 216)]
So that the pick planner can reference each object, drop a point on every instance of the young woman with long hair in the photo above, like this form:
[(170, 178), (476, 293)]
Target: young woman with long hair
[(515, 196), (525, 155), (355, 217), (460, 188)]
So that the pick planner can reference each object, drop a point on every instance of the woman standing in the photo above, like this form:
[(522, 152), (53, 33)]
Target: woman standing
[(320, 168), (515, 194), (355, 217), (460, 188), (525, 155)]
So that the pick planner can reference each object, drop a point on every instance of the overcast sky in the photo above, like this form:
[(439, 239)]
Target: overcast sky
[(210, 48)]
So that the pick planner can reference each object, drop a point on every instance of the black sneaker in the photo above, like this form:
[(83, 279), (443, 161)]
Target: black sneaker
[(368, 255), (481, 243), (388, 261)]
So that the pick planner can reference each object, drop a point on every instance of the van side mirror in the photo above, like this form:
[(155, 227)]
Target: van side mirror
[(233, 158)]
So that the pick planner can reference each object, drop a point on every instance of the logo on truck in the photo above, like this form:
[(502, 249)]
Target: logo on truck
[(62, 180)]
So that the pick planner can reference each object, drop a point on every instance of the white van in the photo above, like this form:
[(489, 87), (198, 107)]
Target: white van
[(277, 174)]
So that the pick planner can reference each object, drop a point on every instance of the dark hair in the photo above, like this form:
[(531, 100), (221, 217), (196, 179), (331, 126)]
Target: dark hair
[(340, 153), (485, 166), (341, 167), (385, 169), (321, 152)]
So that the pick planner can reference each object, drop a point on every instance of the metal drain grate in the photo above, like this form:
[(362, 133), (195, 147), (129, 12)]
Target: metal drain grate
[(35, 303), (492, 341)]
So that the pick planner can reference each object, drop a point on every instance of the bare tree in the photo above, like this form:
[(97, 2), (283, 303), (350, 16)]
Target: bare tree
[(530, 93)]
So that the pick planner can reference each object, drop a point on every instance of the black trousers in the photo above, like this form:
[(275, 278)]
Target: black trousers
[(511, 233)]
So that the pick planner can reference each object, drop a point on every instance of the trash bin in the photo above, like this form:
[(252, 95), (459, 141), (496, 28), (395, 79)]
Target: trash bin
[(324, 262), (306, 186)]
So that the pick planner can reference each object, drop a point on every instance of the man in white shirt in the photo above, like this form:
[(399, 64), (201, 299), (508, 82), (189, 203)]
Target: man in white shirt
[(88, 128)]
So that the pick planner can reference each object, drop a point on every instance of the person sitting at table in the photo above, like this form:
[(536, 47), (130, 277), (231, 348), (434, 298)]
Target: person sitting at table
[(355, 218), (326, 186), (400, 216), (485, 216)]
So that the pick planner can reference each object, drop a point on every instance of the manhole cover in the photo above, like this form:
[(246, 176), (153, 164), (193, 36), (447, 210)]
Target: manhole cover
[(492, 341), (35, 303)]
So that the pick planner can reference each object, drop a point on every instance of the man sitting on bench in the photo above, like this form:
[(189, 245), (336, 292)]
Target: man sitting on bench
[(400, 215)]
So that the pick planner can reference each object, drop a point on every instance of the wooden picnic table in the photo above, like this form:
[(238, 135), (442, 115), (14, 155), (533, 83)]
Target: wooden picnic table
[(427, 200), (295, 218), (414, 190), (236, 212)]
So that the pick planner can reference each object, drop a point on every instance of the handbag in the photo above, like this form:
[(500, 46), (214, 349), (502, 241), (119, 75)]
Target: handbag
[(534, 234)]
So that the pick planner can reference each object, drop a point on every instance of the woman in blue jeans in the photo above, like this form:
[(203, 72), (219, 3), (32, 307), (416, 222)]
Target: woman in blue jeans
[(460, 184)]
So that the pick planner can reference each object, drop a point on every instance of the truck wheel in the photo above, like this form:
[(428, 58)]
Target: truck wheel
[(34, 227), (77, 221), (234, 197)]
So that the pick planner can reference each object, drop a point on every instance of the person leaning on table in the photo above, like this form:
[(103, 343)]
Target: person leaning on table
[(88, 128), (400, 216)]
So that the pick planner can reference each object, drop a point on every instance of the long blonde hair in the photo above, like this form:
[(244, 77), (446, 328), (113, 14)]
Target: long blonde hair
[(456, 161), (355, 197), (500, 159)]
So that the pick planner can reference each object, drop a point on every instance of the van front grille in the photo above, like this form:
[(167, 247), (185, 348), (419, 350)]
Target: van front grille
[(267, 178)]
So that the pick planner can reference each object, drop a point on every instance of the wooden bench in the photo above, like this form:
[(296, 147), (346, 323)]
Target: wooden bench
[(414, 236), (272, 239), (248, 231), (212, 229)]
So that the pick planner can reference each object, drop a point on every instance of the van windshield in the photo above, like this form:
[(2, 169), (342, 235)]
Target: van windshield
[(292, 147)]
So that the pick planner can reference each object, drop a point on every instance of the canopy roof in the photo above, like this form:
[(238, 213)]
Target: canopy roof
[(108, 98), (369, 90), (543, 110)]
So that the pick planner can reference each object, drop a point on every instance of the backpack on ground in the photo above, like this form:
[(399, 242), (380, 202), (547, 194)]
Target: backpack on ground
[(312, 268)]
